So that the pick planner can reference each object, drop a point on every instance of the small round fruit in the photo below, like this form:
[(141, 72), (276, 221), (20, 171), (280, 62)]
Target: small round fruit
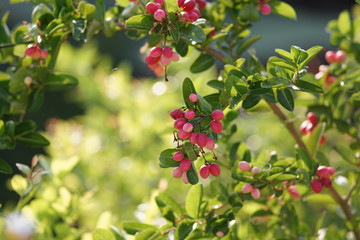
[(322, 172), (179, 123), (192, 138), (340, 56), (164, 60), (177, 113), (247, 188), (303, 127), (188, 127), (177, 172), (217, 115), (201, 4), (193, 97), (151, 7), (178, 156), (151, 60), (294, 193), (255, 193), (312, 118), (330, 56), (184, 178), (204, 171), (255, 170), (265, 9), (214, 169), (216, 126), (323, 68), (189, 5), (185, 165), (316, 185), (326, 182), (183, 135), (155, 51), (190, 114), (201, 139), (180, 3), (244, 166), (175, 57), (167, 52), (210, 144), (159, 15), (331, 171)]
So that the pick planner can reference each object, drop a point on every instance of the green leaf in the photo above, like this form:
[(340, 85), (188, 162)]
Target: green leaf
[(286, 177), (344, 22), (314, 137), (166, 159), (307, 86), (78, 28), (2, 127), (23, 168), (5, 167), (249, 12), (251, 101), (299, 55), (216, 84), (246, 44), (99, 14), (193, 201), (276, 81), (19, 184), (192, 175), (188, 88), (36, 98), (171, 203), (10, 129), (202, 63), (33, 139), (25, 127), (184, 229), (146, 234), (17, 83), (282, 8), (182, 48), (133, 227), (102, 234), (140, 22), (205, 107), (285, 98), (284, 54), (171, 6), (312, 52), (59, 82), (283, 63), (42, 13), (346, 153), (193, 33), (309, 162)]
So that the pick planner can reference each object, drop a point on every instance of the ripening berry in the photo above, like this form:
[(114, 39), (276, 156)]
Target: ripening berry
[(210, 144), (30, 50), (316, 185), (303, 127), (247, 188), (329, 80), (189, 5), (193, 97), (186, 16), (330, 56), (219, 234), (164, 60), (214, 169), (255, 170), (326, 182), (190, 114), (43, 54), (28, 81), (175, 57), (201, 4), (177, 113), (331, 171), (185, 165), (193, 16), (255, 193), (188, 127), (319, 75), (177, 172), (179, 123), (294, 193), (159, 15), (312, 118), (322, 172), (155, 51), (322, 140), (192, 138), (244, 166), (265, 9), (184, 178), (204, 171), (216, 126), (180, 3), (340, 56), (217, 115), (159, 71), (151, 7), (201, 139), (310, 127), (183, 135), (160, 2), (167, 52), (178, 156), (151, 60), (323, 68)]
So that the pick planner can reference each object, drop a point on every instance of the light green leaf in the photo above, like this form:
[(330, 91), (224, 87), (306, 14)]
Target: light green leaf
[(283, 63), (171, 6), (274, 82), (23, 168), (346, 153), (284, 54), (282, 8), (193, 201), (146, 234), (314, 137), (19, 184), (171, 203), (133, 227), (312, 52), (140, 22), (102, 234), (344, 22), (299, 55)]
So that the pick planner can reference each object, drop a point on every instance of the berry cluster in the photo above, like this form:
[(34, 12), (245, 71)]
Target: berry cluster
[(331, 57), (185, 123), (324, 179), (190, 13), (309, 126), (248, 188), (35, 52), (156, 8), (159, 57), (264, 8)]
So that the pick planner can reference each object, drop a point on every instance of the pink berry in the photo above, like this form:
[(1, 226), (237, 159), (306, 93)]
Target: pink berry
[(201, 139), (188, 127), (193, 16), (247, 188), (322, 172), (177, 172), (294, 193), (164, 60), (201, 4), (330, 56), (214, 169), (151, 7), (312, 118), (216, 126), (180, 3), (183, 135), (265, 9), (244, 166), (330, 80), (197, 12), (310, 127), (155, 51), (217, 115), (186, 16), (167, 52), (255, 193), (160, 2), (185, 165), (319, 75), (210, 144), (331, 171), (204, 171), (151, 60), (158, 5), (219, 234), (190, 114), (255, 170), (159, 71), (326, 182), (192, 138), (193, 97), (303, 127), (179, 123), (340, 56), (184, 178), (316, 185), (177, 113), (43, 54), (159, 15), (30, 50), (178, 156), (323, 68), (175, 57), (189, 5)]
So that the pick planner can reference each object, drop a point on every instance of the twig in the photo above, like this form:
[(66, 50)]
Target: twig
[(14, 44)]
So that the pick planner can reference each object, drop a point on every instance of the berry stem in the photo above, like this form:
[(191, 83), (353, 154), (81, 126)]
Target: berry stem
[(14, 44)]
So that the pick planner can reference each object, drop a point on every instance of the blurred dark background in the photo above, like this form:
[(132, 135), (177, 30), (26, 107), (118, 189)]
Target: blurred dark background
[(308, 30)]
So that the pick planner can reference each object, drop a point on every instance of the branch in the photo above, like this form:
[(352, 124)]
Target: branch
[(14, 44)]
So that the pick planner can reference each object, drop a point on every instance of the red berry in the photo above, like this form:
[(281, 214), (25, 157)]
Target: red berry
[(330, 56), (159, 15), (322, 140), (265, 9), (217, 115), (189, 5), (201, 139), (312, 118), (188, 127), (179, 123), (164, 60), (151, 7), (316, 185), (178, 156), (216, 126), (30, 50), (331, 171), (255, 193), (247, 188), (192, 138), (193, 97), (244, 166), (175, 57), (43, 54), (322, 172), (155, 51), (186, 16), (151, 60), (329, 80), (340, 56), (294, 193), (160, 2), (177, 113), (190, 114), (184, 178), (255, 170), (183, 135), (310, 127), (185, 165), (214, 169), (204, 171), (201, 4), (326, 182), (167, 52), (303, 127), (210, 144), (180, 3), (177, 172)]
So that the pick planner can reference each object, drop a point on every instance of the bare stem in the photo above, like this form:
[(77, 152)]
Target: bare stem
[(14, 44)]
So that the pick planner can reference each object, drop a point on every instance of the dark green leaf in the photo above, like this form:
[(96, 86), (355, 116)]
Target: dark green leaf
[(202, 63), (233, 151), (285, 98), (192, 175), (251, 101), (10, 129), (140, 22), (307, 86), (205, 107), (246, 44), (282, 8), (184, 229), (133, 227), (33, 139), (166, 159), (5, 167), (193, 201), (42, 13), (193, 33), (59, 82), (182, 48), (274, 82), (188, 88), (216, 84), (36, 98), (25, 127), (78, 28)]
